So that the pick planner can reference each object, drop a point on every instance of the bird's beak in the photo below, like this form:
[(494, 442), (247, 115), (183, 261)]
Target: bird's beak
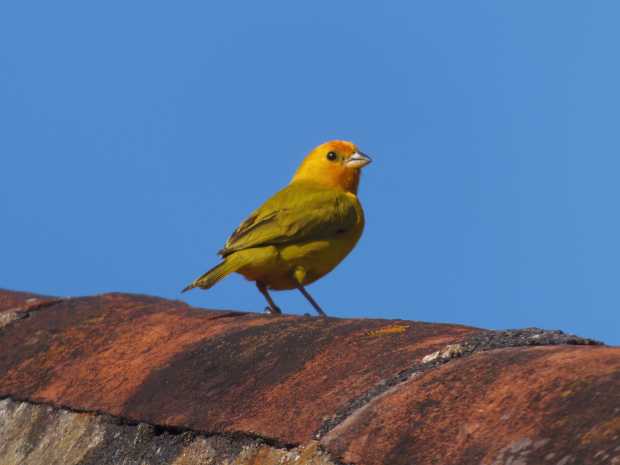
[(357, 160)]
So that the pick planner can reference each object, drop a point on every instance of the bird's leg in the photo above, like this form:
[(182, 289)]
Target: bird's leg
[(273, 308), (311, 300)]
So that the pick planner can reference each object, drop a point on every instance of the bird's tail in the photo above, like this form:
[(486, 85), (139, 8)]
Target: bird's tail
[(211, 277)]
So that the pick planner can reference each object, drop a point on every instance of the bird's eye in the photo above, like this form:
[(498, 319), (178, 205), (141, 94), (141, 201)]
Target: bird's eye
[(331, 156)]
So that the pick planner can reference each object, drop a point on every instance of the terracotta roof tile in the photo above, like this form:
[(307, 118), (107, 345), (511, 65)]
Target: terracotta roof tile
[(374, 391)]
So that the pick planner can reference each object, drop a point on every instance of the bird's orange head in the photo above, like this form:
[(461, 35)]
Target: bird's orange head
[(334, 164)]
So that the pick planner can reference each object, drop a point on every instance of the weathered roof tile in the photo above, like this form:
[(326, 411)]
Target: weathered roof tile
[(367, 388)]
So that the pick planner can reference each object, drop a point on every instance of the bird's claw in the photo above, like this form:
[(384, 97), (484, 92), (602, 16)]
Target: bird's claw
[(273, 311)]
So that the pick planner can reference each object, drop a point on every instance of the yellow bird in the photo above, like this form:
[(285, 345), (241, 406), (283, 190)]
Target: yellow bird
[(303, 231)]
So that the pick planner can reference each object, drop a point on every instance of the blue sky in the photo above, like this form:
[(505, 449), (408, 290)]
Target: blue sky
[(137, 135)]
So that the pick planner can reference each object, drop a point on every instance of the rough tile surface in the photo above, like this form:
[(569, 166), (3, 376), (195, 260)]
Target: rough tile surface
[(136, 379)]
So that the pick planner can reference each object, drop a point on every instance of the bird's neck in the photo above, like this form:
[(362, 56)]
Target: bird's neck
[(347, 180)]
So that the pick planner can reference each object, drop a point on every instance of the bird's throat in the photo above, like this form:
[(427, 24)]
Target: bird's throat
[(345, 179)]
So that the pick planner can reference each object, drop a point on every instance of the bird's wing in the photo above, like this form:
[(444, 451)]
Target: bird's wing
[(295, 214)]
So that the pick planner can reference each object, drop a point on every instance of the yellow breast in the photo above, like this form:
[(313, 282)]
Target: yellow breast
[(315, 259)]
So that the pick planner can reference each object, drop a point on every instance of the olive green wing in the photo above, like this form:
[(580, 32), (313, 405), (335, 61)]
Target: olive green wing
[(293, 215)]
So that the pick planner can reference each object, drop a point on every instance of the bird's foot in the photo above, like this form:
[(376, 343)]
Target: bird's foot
[(273, 310)]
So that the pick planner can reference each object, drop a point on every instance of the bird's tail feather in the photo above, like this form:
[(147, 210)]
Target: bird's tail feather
[(211, 277)]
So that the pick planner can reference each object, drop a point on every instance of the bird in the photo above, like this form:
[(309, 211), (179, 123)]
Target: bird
[(303, 231)]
